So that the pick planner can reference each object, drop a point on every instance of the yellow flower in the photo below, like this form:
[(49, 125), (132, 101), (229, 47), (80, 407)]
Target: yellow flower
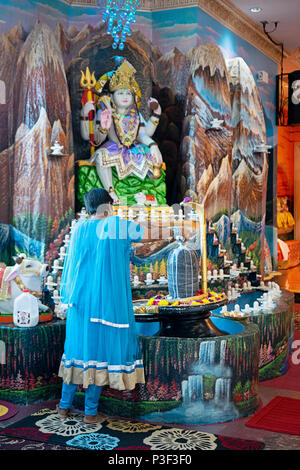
[(163, 302), (150, 302)]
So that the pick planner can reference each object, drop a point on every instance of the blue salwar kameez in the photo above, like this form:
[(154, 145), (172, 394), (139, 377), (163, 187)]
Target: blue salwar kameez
[(101, 346)]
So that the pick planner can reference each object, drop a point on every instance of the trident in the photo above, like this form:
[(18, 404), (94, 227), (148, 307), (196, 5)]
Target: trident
[(88, 81)]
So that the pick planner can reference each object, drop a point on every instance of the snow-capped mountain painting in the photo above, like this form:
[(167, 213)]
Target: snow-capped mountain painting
[(194, 65)]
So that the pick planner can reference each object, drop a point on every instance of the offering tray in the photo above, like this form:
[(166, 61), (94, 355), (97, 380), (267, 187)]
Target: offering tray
[(184, 320), (235, 317)]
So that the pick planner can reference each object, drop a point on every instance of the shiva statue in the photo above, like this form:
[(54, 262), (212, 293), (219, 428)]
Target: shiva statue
[(124, 153)]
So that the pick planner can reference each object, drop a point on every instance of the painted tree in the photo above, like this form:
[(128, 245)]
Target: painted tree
[(269, 354), (55, 227), (19, 382), (163, 268)]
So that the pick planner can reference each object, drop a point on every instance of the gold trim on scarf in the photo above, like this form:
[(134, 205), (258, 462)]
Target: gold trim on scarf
[(91, 376), (107, 160)]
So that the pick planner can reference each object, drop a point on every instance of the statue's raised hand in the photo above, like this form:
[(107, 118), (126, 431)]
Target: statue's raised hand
[(105, 119), (154, 105)]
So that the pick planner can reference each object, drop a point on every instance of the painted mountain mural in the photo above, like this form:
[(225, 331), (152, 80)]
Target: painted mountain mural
[(250, 167), (41, 186), (171, 70), (250, 163), (206, 149), (213, 165)]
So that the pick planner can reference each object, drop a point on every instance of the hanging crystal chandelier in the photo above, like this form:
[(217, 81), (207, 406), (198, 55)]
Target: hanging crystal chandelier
[(119, 15)]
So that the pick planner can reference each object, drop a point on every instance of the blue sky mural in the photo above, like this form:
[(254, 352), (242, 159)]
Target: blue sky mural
[(28, 11)]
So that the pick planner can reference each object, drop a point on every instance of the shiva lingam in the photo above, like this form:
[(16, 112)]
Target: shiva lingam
[(185, 311)]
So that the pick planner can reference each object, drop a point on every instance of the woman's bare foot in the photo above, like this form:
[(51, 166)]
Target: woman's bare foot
[(90, 419), (63, 414)]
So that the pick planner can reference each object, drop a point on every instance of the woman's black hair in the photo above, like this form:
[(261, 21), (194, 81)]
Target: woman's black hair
[(95, 198)]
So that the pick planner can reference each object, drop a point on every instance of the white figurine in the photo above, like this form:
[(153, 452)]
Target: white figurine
[(57, 149), (149, 279), (136, 281), (50, 284), (216, 124)]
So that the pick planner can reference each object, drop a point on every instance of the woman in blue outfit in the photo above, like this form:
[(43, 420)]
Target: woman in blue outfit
[(101, 346)]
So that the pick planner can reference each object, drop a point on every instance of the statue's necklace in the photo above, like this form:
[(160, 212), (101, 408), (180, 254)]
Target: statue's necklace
[(126, 126)]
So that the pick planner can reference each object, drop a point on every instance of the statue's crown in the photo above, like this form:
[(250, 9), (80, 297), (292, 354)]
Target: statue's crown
[(123, 78)]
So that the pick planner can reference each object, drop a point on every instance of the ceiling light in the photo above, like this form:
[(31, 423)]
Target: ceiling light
[(255, 9), (119, 15)]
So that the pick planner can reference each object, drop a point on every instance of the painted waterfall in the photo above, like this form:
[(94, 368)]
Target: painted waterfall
[(206, 392)]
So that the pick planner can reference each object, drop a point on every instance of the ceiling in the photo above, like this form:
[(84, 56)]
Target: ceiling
[(286, 12)]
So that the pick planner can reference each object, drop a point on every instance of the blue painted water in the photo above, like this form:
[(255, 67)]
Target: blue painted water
[(195, 413), (246, 298)]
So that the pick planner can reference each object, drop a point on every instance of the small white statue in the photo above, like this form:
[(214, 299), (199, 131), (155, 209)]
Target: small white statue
[(57, 149), (216, 124)]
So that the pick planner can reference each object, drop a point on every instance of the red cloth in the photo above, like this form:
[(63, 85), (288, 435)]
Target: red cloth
[(282, 414)]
